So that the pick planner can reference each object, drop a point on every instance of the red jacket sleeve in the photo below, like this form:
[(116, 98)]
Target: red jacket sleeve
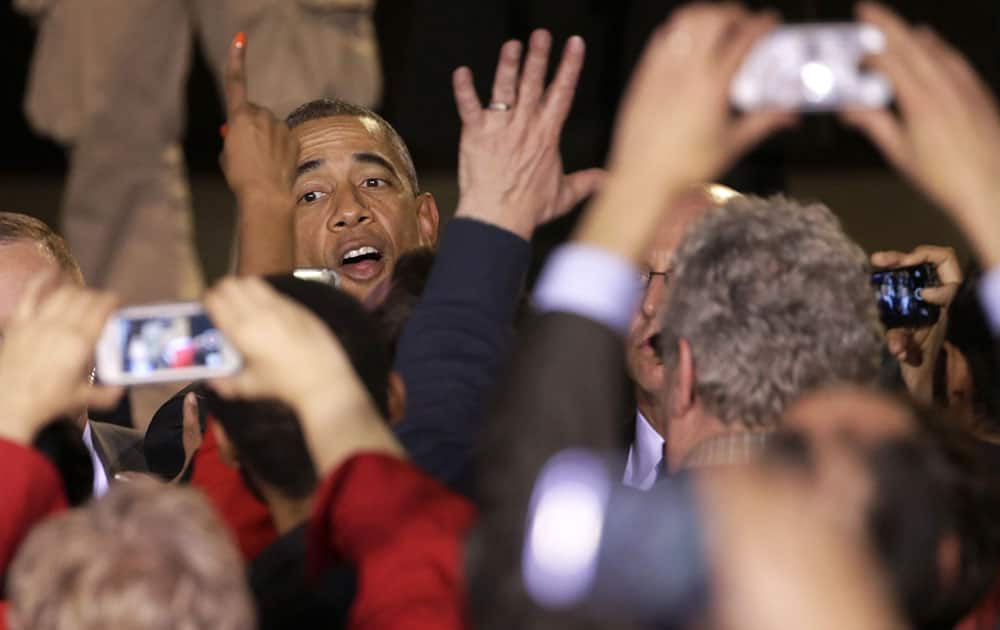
[(30, 490), (403, 533), (246, 516)]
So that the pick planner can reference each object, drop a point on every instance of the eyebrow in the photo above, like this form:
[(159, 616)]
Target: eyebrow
[(364, 158), (375, 158)]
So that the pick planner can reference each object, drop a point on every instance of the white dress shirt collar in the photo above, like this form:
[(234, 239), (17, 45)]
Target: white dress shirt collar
[(644, 455), (100, 477)]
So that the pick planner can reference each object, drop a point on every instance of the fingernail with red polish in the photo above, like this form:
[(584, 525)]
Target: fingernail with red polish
[(240, 40), (223, 129)]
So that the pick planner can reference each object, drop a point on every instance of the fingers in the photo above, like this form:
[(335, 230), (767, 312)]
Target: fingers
[(747, 33), (234, 79), (750, 129), (505, 79), (940, 296), (578, 186), (470, 110), (559, 95), (944, 260), (27, 306), (533, 76), (884, 130)]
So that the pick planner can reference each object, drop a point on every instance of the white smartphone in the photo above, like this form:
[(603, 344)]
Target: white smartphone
[(812, 67), (160, 343)]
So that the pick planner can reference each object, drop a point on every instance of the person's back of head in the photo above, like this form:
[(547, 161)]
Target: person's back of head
[(773, 299), (145, 556), (266, 434)]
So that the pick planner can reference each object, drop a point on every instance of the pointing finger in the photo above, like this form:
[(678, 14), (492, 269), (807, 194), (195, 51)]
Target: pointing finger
[(235, 79)]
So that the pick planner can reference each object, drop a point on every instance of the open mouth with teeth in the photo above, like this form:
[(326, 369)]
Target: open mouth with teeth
[(360, 255), (362, 263)]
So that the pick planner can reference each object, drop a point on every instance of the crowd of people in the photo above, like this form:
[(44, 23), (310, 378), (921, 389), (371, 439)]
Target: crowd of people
[(695, 419)]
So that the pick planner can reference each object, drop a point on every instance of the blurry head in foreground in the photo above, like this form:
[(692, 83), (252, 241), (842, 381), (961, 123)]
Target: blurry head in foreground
[(144, 556)]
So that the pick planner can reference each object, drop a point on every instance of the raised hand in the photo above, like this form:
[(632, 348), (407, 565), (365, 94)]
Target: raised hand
[(917, 349), (510, 171), (258, 157), (675, 127), (946, 138), (46, 356), (291, 356)]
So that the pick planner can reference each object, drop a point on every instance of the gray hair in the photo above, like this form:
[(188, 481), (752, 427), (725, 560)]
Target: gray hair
[(774, 300), (329, 107)]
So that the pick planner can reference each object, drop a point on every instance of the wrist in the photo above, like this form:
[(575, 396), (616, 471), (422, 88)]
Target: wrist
[(258, 200), (337, 429), (497, 214), (623, 217)]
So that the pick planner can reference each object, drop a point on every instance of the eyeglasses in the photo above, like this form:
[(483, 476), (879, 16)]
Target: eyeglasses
[(645, 277)]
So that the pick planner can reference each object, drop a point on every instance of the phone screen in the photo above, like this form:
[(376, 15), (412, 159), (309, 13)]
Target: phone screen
[(899, 299), (163, 343)]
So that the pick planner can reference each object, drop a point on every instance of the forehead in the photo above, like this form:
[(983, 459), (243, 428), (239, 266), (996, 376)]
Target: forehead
[(685, 211), (20, 261), (339, 137)]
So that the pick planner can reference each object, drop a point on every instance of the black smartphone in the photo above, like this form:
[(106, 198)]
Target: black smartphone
[(898, 295)]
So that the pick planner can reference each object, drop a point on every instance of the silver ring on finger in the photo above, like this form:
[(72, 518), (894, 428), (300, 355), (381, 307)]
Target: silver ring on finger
[(497, 106)]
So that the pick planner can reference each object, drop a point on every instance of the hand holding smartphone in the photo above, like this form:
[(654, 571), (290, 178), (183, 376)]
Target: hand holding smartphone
[(899, 299), (162, 343), (812, 67)]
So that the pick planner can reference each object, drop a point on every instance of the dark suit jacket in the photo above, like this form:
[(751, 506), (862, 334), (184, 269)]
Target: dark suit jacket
[(118, 448), (566, 387), (455, 345)]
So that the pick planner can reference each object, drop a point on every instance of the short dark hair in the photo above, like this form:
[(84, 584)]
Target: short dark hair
[(329, 107), (409, 278), (266, 433), (15, 227)]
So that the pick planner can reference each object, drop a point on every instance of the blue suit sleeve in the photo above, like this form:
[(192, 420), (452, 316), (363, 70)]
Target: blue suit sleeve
[(456, 343)]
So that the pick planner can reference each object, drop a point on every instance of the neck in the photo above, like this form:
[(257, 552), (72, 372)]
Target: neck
[(689, 430), (287, 513), (651, 411)]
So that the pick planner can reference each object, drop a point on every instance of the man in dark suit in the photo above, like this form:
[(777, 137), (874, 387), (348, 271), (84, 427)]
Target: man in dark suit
[(29, 248), (511, 180)]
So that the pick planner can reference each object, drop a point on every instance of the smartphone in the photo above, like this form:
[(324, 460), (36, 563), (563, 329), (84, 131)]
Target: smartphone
[(897, 293), (318, 274), (161, 343), (812, 67)]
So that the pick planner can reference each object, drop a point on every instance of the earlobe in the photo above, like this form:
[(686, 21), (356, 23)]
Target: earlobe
[(226, 451), (427, 219), (397, 398)]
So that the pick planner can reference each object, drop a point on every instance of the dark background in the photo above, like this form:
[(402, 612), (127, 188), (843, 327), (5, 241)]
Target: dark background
[(422, 41)]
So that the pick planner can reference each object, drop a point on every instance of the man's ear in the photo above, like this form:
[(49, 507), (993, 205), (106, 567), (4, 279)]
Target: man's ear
[(227, 453), (397, 398), (427, 219), (683, 397)]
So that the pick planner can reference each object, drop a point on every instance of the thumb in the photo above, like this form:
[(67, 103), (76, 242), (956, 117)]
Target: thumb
[(578, 186)]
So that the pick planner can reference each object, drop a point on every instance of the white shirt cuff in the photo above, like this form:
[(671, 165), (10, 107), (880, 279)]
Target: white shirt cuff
[(591, 283), (989, 295)]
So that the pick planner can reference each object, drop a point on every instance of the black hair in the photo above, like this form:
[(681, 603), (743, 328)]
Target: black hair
[(329, 107), (266, 433)]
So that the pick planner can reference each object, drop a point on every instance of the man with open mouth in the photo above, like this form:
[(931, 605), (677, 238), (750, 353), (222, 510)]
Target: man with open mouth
[(647, 433)]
